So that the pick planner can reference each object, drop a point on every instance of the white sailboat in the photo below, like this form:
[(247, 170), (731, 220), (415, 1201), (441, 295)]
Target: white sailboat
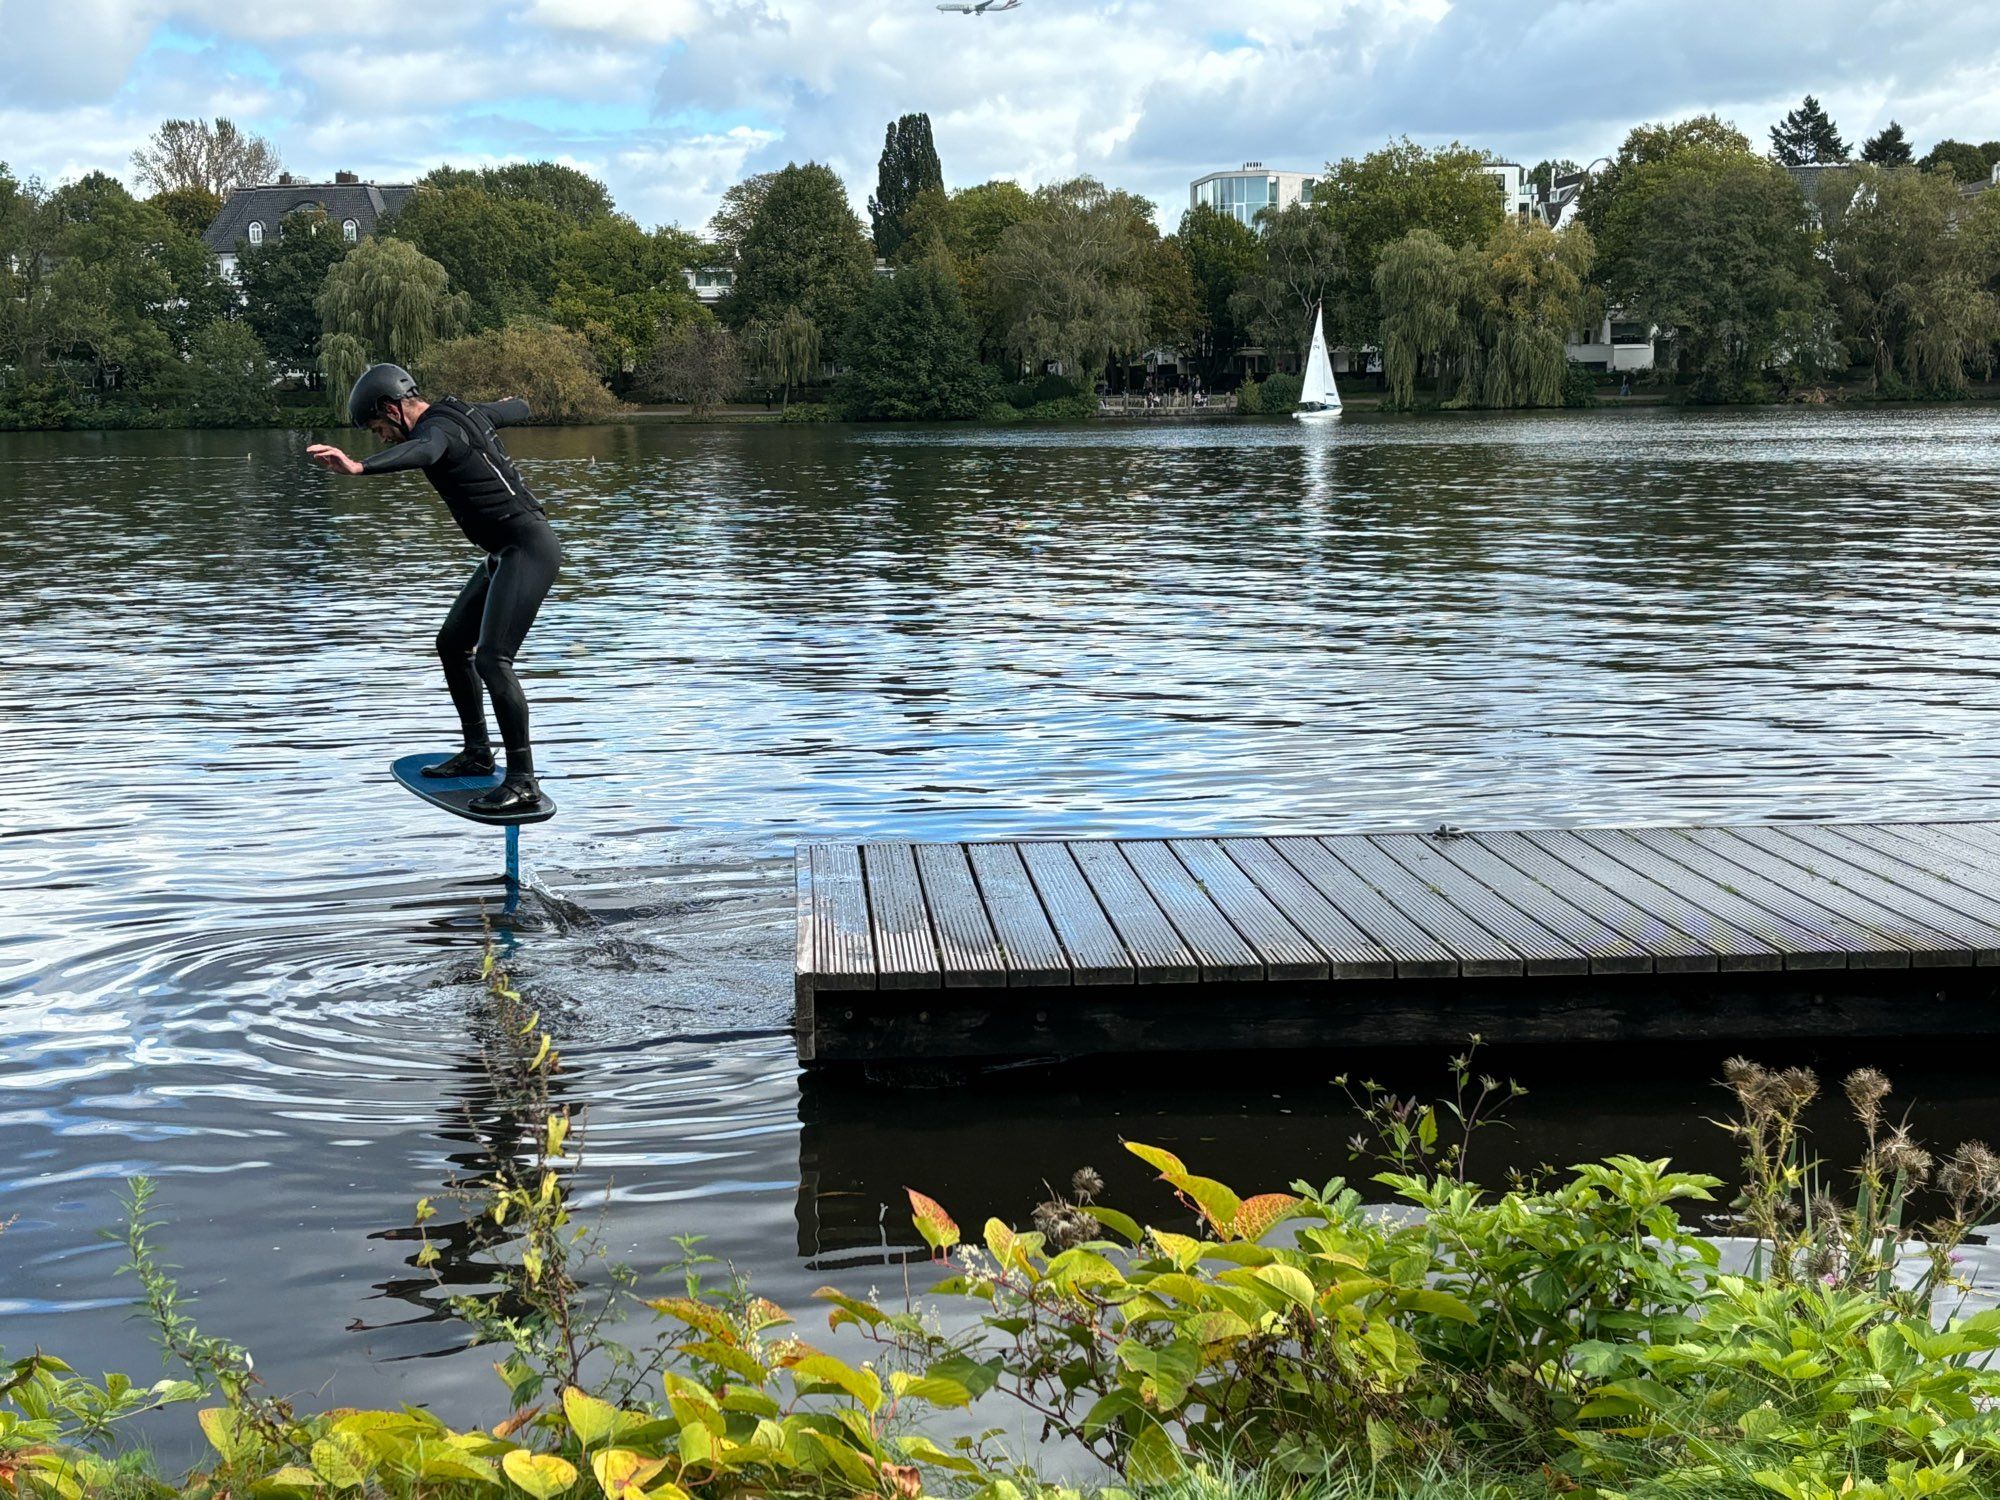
[(1319, 398)]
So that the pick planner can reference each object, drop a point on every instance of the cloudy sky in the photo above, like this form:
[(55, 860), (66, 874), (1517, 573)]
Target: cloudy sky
[(672, 100)]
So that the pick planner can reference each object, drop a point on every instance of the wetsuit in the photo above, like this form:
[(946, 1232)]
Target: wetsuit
[(456, 447)]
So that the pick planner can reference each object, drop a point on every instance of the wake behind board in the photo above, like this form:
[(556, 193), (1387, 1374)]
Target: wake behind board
[(455, 793)]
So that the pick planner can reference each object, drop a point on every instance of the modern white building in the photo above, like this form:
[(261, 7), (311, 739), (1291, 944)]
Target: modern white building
[(1517, 194), (1245, 193), (710, 283)]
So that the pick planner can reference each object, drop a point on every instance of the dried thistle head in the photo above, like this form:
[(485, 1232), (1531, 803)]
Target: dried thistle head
[(1826, 1209), (1900, 1155), (1086, 1184), (1972, 1175), (1866, 1089), (1797, 1087), (1063, 1226)]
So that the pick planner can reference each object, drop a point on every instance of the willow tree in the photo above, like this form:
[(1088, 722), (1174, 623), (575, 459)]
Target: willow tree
[(386, 300), (1533, 290), (1954, 322), (783, 350), (1067, 279), (1423, 288)]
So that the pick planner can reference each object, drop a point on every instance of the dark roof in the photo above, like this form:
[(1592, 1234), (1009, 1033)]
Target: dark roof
[(364, 202)]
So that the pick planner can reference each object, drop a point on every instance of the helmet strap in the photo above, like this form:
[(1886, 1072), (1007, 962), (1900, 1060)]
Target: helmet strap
[(396, 419)]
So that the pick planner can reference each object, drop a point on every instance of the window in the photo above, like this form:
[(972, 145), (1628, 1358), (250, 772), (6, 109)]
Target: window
[(256, 232), (349, 230)]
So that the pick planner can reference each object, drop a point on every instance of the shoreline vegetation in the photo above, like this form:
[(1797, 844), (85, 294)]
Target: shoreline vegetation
[(1575, 1333), (1752, 278)]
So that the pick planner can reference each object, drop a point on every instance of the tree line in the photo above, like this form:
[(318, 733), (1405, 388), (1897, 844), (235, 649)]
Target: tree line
[(994, 299)]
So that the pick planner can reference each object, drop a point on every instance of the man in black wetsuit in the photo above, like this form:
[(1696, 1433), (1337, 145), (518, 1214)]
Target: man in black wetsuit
[(455, 445)]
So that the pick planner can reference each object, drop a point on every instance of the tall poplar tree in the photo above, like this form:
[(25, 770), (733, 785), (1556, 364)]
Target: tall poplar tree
[(1806, 136), (908, 167)]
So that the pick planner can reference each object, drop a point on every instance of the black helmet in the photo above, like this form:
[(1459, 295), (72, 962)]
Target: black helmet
[(378, 384)]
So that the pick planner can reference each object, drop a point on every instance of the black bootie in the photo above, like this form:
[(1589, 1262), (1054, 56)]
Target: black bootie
[(518, 793), (473, 760)]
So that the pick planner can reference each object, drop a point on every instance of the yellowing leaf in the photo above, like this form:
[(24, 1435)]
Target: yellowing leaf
[(1289, 1280), (623, 1474), (342, 1460), (1164, 1162), (542, 1475), (1256, 1216), (932, 1222), (711, 1321), (220, 1426)]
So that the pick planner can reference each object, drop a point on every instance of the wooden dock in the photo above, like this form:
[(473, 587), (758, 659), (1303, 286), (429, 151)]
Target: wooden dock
[(927, 951)]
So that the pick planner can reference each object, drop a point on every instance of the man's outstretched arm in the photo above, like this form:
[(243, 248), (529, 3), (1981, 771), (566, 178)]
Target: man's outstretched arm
[(417, 453), (509, 411)]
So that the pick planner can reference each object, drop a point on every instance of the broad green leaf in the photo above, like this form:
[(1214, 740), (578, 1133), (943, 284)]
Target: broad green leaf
[(1438, 1304), (342, 1460), (1290, 1280), (542, 1475), (292, 1478), (924, 1451), (1118, 1223), (1217, 1203), (932, 1388), (860, 1384), (592, 1420), (735, 1361), (467, 1468), (224, 1431), (1153, 1459), (1164, 1162)]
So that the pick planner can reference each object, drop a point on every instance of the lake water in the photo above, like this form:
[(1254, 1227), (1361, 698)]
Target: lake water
[(235, 956)]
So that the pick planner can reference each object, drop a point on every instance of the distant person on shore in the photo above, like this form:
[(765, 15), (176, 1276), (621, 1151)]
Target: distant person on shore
[(460, 453)]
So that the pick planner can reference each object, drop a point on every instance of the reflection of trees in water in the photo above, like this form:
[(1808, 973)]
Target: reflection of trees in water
[(496, 1109)]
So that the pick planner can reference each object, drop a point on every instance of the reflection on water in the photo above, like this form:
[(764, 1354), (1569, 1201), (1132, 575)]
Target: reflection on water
[(236, 957)]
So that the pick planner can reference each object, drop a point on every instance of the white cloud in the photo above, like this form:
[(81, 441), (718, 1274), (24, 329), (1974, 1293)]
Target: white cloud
[(1144, 93)]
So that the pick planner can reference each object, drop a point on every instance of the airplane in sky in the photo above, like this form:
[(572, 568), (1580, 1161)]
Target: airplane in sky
[(980, 7)]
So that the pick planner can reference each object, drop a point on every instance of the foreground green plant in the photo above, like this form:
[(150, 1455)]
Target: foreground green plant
[(1572, 1335)]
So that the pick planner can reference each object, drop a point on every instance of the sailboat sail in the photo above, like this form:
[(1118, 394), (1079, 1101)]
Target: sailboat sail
[(1316, 387)]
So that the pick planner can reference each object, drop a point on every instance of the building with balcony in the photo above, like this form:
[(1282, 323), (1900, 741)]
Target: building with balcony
[(1517, 194), (1247, 192), (252, 215)]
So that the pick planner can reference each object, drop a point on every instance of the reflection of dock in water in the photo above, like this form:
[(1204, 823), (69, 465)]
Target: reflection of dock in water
[(997, 1143), (926, 951)]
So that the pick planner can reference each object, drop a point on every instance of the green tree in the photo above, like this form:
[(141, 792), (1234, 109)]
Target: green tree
[(1385, 195), (964, 228), (192, 209), (1302, 263), (617, 285), (736, 212), (696, 361), (1222, 252), (1644, 145), (212, 155), (1065, 283), (570, 192), (911, 352), (1965, 162), (34, 324), (228, 378), (281, 280), (498, 251), (131, 288), (551, 367), (1174, 318), (783, 352), (1423, 288), (909, 166), (1718, 250), (1805, 136), (1532, 288), (385, 300), (1888, 147), (803, 248)]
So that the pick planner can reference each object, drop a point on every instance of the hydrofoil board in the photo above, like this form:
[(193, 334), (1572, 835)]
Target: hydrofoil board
[(455, 793)]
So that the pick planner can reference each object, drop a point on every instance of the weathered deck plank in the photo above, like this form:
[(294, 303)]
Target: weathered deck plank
[(1588, 933)]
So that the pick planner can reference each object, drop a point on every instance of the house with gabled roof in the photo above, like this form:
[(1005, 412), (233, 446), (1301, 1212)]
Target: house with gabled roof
[(251, 215)]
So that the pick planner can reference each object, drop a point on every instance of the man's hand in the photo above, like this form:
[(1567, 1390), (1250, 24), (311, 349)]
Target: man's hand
[(329, 457)]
